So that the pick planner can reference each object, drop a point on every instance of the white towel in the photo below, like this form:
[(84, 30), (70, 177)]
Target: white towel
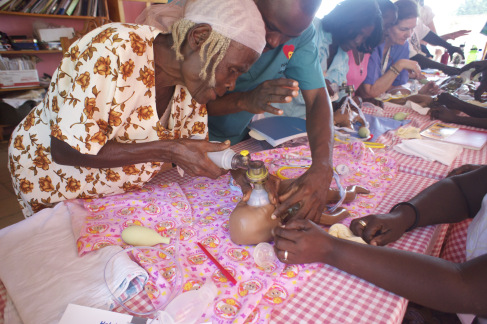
[(430, 150), (42, 271), (417, 108)]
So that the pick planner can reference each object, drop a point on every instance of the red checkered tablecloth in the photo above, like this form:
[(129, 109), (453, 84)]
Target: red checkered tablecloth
[(455, 244), (333, 296), (416, 165)]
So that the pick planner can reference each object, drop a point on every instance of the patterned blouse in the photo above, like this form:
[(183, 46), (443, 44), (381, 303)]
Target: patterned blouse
[(103, 89)]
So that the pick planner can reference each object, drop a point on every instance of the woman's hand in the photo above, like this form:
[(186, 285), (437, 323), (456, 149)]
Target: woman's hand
[(410, 65), (304, 241), (190, 155), (380, 229), (430, 88)]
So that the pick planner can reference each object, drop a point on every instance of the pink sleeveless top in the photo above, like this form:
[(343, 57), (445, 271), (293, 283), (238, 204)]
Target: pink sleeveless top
[(357, 73)]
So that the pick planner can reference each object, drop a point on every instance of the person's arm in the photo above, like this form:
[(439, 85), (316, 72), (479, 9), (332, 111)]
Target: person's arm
[(448, 116), (256, 101), (423, 279), (188, 154), (384, 83), (436, 40), (310, 190), (455, 34), (447, 201), (455, 103), (427, 63)]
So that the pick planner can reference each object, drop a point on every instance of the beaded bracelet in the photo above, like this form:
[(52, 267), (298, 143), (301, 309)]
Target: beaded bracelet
[(416, 213), (394, 70)]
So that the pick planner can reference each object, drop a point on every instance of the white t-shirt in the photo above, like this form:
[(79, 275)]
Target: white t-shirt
[(476, 246), (420, 31), (426, 15)]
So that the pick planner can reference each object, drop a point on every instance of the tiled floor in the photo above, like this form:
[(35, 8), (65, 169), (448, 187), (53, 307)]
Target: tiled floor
[(9, 207)]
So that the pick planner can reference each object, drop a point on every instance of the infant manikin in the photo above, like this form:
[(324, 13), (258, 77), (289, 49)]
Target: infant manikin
[(251, 222)]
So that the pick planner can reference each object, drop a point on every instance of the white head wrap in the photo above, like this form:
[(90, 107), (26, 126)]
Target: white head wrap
[(239, 20)]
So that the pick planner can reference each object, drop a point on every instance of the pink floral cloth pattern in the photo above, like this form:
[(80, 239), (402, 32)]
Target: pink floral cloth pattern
[(200, 209)]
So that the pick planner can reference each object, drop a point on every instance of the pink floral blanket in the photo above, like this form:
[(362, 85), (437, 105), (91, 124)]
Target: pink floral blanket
[(199, 209)]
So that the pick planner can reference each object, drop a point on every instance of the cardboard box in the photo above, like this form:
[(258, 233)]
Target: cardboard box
[(18, 78), (55, 34)]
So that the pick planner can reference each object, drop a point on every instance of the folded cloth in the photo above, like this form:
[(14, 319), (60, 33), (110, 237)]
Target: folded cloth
[(124, 278), (430, 150), (42, 271), (409, 132), (417, 108)]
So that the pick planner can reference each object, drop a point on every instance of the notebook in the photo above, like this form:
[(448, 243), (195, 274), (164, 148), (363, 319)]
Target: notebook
[(277, 130), (469, 139)]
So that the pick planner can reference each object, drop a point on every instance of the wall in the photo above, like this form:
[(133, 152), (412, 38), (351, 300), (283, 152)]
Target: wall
[(22, 25), (132, 10)]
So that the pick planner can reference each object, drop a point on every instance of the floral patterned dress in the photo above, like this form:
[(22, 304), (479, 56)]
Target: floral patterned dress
[(104, 89)]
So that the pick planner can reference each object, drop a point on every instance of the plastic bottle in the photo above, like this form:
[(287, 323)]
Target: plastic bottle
[(188, 307), (228, 159), (472, 55), (444, 58), (479, 55)]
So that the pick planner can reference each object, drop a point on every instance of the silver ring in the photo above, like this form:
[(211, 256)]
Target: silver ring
[(361, 222), (285, 255)]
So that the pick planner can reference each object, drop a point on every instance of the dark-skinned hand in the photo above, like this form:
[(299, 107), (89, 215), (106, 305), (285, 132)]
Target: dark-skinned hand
[(331, 93), (260, 99), (308, 192), (271, 185), (454, 49), (304, 241), (190, 155), (443, 113), (478, 66), (381, 229)]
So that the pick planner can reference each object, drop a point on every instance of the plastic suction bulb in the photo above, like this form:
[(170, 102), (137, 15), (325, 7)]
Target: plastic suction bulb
[(142, 236)]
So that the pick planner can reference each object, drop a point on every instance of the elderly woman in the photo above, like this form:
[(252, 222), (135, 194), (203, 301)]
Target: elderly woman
[(112, 116), (389, 65)]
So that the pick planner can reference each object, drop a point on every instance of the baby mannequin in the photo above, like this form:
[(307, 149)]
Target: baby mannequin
[(253, 224)]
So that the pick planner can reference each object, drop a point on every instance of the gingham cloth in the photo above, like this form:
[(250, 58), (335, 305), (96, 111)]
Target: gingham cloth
[(416, 165), (454, 249), (333, 296)]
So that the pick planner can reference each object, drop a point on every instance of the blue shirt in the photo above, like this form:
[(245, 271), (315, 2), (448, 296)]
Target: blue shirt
[(296, 59), (374, 69)]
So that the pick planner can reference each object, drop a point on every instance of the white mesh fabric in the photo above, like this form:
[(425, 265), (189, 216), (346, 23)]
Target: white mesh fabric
[(239, 20)]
